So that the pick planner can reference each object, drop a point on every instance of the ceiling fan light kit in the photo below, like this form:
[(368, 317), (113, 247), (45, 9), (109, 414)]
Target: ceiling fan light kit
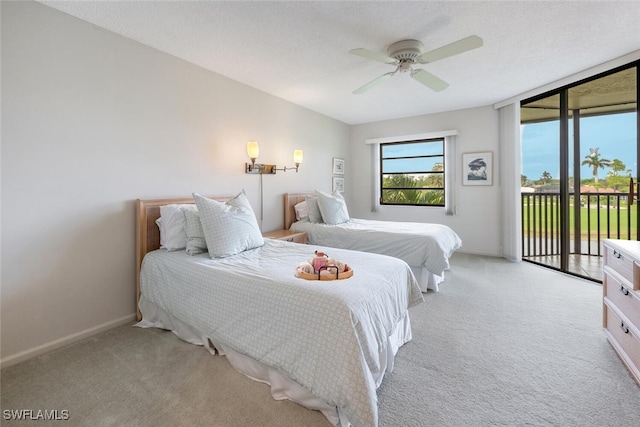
[(406, 53)]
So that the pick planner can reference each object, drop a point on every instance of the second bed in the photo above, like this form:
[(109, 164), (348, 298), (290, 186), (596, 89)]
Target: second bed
[(426, 247)]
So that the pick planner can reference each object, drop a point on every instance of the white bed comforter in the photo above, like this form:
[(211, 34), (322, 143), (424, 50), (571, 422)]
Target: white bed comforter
[(418, 244), (325, 335)]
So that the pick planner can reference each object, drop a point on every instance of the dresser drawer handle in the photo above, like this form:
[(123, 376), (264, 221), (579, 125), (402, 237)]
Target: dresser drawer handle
[(624, 328), (624, 290), (617, 254)]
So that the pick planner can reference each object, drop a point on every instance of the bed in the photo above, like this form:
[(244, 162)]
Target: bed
[(425, 247), (323, 344)]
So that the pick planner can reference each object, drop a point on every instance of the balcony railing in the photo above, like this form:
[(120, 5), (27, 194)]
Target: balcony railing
[(601, 216)]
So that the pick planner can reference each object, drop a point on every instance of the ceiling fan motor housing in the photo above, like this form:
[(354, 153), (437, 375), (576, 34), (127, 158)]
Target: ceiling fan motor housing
[(406, 52)]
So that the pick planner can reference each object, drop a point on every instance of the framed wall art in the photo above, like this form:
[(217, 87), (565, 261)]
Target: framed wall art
[(477, 168), (338, 184), (338, 166)]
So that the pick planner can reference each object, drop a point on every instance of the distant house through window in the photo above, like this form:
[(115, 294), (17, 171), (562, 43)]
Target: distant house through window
[(412, 173)]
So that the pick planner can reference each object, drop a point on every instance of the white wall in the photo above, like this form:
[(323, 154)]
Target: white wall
[(478, 217), (90, 122)]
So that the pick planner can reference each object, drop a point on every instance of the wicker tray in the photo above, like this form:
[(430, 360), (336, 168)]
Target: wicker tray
[(317, 276)]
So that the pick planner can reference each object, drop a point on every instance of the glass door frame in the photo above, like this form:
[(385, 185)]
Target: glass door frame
[(564, 140)]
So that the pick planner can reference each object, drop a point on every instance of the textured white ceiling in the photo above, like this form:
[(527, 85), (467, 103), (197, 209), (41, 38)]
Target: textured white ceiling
[(298, 50)]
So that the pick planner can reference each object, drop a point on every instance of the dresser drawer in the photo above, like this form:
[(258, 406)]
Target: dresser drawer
[(627, 301), (620, 262), (624, 340), (623, 264)]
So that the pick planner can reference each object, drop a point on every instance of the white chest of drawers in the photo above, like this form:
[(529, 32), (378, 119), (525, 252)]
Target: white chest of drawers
[(621, 300)]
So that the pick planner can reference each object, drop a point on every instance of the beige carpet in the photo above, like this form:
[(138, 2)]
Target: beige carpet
[(506, 344)]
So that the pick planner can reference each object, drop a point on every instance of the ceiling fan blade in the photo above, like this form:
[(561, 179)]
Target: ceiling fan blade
[(373, 83), (368, 54), (462, 45), (429, 80)]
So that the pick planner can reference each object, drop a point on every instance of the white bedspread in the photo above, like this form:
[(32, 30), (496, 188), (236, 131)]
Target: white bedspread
[(325, 335), (418, 244)]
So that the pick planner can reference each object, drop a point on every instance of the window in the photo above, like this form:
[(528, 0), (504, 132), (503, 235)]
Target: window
[(412, 173)]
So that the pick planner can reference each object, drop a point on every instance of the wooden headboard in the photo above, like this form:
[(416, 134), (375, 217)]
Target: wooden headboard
[(148, 233), (290, 200)]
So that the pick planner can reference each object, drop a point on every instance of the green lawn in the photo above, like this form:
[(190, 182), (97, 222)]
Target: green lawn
[(588, 220)]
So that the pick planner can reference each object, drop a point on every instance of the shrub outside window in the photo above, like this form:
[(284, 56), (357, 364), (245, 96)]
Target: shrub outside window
[(412, 173)]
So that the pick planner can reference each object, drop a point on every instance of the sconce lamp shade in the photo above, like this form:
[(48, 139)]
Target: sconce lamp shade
[(297, 157), (253, 150)]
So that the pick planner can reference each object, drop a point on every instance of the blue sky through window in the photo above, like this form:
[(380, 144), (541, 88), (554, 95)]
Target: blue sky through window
[(614, 135), (430, 148)]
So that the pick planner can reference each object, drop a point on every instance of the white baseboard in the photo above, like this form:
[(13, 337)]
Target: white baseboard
[(45, 348), (465, 251)]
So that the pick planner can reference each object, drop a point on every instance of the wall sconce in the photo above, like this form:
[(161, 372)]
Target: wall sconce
[(253, 150), (297, 159)]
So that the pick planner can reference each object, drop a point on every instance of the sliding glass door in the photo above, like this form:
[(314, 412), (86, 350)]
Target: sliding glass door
[(580, 160)]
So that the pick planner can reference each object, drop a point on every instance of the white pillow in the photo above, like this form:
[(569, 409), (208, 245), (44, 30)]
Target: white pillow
[(302, 210), (229, 228), (196, 243), (171, 223), (332, 207), (314, 209)]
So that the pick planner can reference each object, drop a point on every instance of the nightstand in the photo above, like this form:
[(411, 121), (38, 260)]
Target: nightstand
[(288, 235)]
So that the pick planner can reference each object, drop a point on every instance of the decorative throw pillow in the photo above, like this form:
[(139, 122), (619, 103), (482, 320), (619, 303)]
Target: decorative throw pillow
[(171, 223), (196, 243), (332, 207), (229, 228), (314, 209), (302, 211)]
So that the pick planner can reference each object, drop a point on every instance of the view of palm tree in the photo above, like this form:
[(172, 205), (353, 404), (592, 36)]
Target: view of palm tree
[(546, 177), (426, 189), (595, 161)]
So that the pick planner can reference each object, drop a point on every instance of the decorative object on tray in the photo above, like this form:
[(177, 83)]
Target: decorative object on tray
[(321, 267)]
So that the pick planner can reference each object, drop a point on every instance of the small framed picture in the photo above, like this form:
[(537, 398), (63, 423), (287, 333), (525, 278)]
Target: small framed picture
[(338, 184), (338, 166), (477, 168)]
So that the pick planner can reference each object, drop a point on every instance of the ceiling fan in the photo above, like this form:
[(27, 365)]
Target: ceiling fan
[(405, 53)]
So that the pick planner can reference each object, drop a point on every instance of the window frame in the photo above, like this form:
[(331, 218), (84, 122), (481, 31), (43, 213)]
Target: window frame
[(442, 141)]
